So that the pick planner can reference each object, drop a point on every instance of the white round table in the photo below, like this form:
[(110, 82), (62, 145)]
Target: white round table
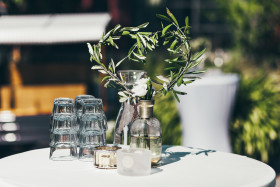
[(181, 166)]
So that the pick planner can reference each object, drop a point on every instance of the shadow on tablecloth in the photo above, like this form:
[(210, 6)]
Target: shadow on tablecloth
[(170, 156)]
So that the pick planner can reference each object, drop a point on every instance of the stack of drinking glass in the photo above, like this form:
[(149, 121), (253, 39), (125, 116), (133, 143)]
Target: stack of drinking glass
[(76, 128)]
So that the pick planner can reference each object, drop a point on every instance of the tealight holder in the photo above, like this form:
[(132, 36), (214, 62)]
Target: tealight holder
[(134, 162), (105, 157)]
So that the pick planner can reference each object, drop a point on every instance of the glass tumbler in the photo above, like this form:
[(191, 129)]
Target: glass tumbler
[(95, 106), (91, 135), (62, 105), (79, 108), (63, 143)]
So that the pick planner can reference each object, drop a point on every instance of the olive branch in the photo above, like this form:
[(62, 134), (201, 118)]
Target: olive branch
[(179, 49)]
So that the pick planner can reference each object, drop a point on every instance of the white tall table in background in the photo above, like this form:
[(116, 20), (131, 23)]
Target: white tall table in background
[(205, 111)]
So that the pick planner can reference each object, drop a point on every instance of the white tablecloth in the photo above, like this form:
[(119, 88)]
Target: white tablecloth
[(181, 167), (205, 111)]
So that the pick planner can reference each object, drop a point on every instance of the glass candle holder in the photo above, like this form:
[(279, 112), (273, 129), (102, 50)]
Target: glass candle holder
[(105, 157), (134, 162)]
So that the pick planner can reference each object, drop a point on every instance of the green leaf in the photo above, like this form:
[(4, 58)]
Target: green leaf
[(120, 62), (144, 25), (154, 81), (139, 56), (163, 17), (173, 44), (172, 16), (139, 42), (105, 78), (170, 68), (165, 42), (187, 21), (125, 33), (145, 33), (142, 39), (133, 29), (195, 64), (195, 72), (135, 60), (117, 27), (149, 47), (107, 35), (111, 41), (133, 36), (165, 29), (197, 56), (176, 97), (96, 67), (116, 37), (163, 92), (112, 66), (180, 80), (102, 71), (188, 82), (180, 93), (130, 50)]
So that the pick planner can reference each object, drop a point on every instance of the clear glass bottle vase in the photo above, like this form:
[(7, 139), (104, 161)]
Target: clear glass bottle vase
[(128, 111), (145, 131)]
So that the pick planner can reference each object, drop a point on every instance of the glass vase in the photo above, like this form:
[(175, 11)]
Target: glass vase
[(128, 110)]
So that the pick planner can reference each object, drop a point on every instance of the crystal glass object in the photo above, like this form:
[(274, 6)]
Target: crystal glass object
[(145, 131), (63, 142), (91, 135), (78, 103), (79, 108), (128, 111), (134, 162), (95, 106)]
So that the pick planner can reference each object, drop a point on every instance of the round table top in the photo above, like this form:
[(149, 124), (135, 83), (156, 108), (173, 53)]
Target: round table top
[(181, 166)]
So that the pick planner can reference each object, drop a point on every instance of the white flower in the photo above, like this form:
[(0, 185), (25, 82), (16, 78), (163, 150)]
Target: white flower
[(140, 88), (142, 81), (90, 50)]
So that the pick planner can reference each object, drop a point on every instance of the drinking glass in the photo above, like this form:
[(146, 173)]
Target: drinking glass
[(79, 108), (91, 135), (95, 106), (63, 142)]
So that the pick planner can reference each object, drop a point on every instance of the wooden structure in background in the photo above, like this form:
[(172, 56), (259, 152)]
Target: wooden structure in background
[(37, 100)]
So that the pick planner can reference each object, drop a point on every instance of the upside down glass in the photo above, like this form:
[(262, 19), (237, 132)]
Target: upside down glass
[(63, 143), (63, 130), (91, 135)]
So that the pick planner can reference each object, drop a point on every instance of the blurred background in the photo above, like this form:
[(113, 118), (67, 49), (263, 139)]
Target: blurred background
[(242, 37)]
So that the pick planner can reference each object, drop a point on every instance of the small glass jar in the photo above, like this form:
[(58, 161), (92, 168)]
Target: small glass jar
[(105, 157), (145, 131)]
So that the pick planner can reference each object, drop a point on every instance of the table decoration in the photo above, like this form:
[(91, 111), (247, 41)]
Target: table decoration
[(134, 162), (145, 131), (105, 157), (179, 71)]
